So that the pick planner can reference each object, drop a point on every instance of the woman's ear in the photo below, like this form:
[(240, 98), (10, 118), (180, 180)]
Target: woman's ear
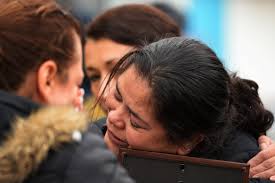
[(46, 80), (186, 147)]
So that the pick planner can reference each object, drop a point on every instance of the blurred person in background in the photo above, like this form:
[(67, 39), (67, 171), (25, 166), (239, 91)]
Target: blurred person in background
[(114, 33), (41, 65)]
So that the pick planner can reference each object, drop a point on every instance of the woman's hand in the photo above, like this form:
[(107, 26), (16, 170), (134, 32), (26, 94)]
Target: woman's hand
[(263, 164)]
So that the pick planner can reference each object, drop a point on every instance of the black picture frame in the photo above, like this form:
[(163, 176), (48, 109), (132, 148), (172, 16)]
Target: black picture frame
[(150, 167)]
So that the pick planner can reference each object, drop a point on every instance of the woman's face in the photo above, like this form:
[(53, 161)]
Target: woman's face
[(101, 56), (131, 122)]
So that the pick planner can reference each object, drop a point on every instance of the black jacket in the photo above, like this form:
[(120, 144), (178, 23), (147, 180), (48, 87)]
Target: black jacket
[(52, 145), (240, 147)]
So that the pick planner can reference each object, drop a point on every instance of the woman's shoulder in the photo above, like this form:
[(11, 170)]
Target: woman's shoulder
[(82, 161), (55, 144), (31, 140)]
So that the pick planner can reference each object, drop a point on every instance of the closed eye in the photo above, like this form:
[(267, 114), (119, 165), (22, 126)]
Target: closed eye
[(94, 78)]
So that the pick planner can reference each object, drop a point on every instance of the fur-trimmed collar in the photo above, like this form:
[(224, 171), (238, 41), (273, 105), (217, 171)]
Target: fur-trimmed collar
[(31, 139)]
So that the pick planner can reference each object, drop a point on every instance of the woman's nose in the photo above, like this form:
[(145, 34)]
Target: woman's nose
[(116, 119)]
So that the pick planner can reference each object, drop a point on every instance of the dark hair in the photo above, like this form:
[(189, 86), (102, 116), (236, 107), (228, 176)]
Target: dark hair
[(250, 111), (172, 12), (192, 93), (133, 25), (33, 31)]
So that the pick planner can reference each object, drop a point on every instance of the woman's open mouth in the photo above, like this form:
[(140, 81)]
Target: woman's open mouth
[(116, 140)]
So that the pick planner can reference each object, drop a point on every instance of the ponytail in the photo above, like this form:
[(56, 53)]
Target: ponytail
[(249, 114)]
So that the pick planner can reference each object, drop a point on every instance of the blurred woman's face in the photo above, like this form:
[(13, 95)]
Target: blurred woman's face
[(131, 122), (49, 86), (100, 57), (67, 91)]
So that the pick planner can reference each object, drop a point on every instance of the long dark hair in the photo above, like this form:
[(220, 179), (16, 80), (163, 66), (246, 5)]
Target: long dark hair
[(192, 93)]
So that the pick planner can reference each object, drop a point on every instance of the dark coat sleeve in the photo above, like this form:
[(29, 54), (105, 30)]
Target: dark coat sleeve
[(260, 181), (241, 148)]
